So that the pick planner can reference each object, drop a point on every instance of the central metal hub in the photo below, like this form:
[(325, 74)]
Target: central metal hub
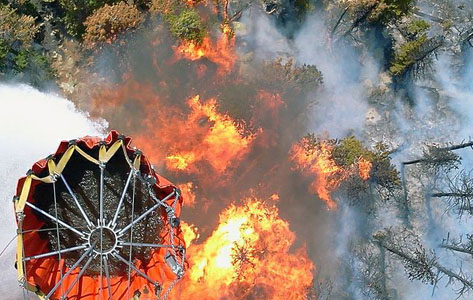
[(103, 240)]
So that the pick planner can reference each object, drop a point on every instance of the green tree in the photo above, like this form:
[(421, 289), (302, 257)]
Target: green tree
[(186, 25), (414, 53), (19, 54), (349, 150), (75, 12), (379, 11), (15, 28)]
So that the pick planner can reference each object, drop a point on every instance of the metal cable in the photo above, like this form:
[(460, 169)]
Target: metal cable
[(131, 235), (101, 228), (8, 245), (168, 291), (174, 250), (57, 234), (180, 290), (25, 297), (49, 229)]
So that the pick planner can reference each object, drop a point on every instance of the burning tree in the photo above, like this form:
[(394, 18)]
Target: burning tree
[(221, 129), (248, 256), (346, 165)]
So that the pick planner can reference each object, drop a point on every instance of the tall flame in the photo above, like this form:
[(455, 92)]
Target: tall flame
[(247, 256), (364, 168), (185, 137), (223, 142), (187, 192), (250, 253), (221, 53), (190, 233), (319, 161)]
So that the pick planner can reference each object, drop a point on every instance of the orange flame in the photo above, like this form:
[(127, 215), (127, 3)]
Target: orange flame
[(191, 50), (187, 191), (364, 168), (189, 232), (221, 144), (319, 161), (192, 137), (248, 254), (222, 53), (180, 161)]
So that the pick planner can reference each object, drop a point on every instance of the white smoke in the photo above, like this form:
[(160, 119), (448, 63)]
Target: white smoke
[(32, 124), (341, 107)]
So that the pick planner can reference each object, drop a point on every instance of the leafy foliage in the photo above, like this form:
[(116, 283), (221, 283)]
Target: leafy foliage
[(417, 27), (270, 87), (165, 6), (379, 11), (109, 21), (183, 21), (278, 74), (459, 193), (303, 7), (75, 12), (347, 153), (349, 150), (418, 263), (16, 30), (405, 57), (416, 50), (186, 25), (18, 52), (383, 172), (436, 157)]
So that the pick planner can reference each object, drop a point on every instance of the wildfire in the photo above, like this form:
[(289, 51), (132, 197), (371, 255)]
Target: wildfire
[(222, 143), (248, 255), (319, 161), (221, 53), (181, 161), (364, 168), (193, 137), (271, 100), (191, 50), (190, 233), (187, 191)]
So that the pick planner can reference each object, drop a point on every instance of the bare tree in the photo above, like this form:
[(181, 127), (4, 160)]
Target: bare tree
[(436, 157), (420, 263), (373, 270), (459, 193)]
